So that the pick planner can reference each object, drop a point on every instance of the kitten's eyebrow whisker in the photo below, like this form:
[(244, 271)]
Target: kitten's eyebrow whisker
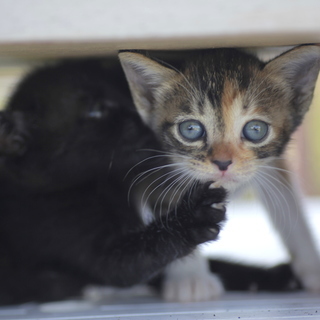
[(195, 93), (190, 93), (257, 92), (254, 80), (199, 84)]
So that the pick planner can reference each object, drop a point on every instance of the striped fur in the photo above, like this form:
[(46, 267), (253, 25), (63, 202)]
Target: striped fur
[(224, 89)]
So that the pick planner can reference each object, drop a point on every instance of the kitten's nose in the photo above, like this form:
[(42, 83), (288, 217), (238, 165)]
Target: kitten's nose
[(222, 165)]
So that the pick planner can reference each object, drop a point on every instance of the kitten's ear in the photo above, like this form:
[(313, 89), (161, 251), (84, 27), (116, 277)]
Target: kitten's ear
[(146, 79), (300, 68)]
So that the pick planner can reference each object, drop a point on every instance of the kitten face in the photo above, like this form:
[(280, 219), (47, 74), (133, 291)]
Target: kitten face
[(73, 119), (225, 114)]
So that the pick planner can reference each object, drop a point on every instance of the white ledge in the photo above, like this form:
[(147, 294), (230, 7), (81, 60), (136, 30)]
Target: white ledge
[(77, 27)]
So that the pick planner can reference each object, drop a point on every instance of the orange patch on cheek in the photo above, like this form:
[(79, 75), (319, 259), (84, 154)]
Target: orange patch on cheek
[(244, 157)]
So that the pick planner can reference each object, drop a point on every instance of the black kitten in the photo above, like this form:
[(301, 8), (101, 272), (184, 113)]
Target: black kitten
[(71, 145)]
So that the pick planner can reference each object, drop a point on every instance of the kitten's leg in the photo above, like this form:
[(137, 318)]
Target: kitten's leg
[(140, 255), (286, 212), (189, 279)]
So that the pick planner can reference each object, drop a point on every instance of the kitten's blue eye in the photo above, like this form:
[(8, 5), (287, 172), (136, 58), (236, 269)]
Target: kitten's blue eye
[(191, 129), (255, 130)]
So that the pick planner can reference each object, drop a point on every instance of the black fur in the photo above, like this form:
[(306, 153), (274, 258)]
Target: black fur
[(241, 277), (68, 137)]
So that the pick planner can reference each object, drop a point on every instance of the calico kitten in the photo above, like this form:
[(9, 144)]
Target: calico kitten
[(71, 144), (227, 116)]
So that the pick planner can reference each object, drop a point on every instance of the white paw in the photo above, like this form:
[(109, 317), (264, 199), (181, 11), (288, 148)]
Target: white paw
[(189, 279), (195, 288)]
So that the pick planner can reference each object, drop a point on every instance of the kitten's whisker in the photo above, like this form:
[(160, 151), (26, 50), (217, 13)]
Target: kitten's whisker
[(177, 189), (255, 94), (166, 190), (170, 174), (199, 85), (147, 174), (170, 155), (191, 95), (275, 168), (185, 189), (152, 170), (195, 93), (185, 184), (142, 161), (257, 185), (285, 201), (167, 154), (135, 181), (259, 94), (286, 186), (268, 192), (164, 194), (194, 185), (176, 186)]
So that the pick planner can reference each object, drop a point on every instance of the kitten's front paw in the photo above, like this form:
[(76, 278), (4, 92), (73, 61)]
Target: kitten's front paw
[(12, 134), (196, 288), (189, 280), (201, 213)]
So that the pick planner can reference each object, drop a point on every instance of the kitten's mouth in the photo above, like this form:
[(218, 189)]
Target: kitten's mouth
[(227, 181), (224, 181)]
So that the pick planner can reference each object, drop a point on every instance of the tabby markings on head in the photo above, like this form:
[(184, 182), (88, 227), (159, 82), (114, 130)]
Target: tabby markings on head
[(224, 114)]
